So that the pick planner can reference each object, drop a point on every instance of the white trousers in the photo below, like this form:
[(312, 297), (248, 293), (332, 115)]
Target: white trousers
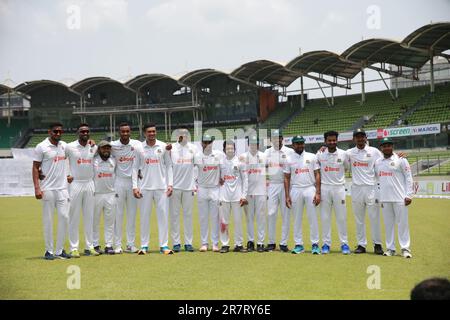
[(277, 198), (208, 212), (365, 197), (159, 198), (105, 202), (256, 207), (396, 213), (225, 209), (125, 199), (181, 199), (51, 200), (333, 197), (81, 199), (303, 197)]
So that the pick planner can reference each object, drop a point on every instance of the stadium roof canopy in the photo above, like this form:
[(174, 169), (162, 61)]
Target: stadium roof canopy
[(31, 86), (196, 77), (265, 71), (372, 51), (82, 86), (326, 63), (144, 80), (4, 89), (433, 37)]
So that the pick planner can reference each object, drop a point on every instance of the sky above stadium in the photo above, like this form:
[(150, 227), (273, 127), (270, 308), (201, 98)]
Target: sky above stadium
[(73, 39)]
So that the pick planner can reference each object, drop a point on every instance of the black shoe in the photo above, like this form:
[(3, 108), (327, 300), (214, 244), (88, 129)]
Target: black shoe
[(98, 249), (250, 246), (63, 256), (284, 248), (271, 247), (239, 249), (49, 256), (225, 249), (378, 249), (109, 250), (260, 248), (360, 249)]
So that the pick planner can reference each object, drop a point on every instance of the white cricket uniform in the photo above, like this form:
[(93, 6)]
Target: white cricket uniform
[(276, 159), (208, 194), (125, 155), (302, 191), (156, 169), (81, 191), (364, 192), (256, 195), (234, 188), (183, 191), (105, 199), (332, 175), (54, 189), (396, 184)]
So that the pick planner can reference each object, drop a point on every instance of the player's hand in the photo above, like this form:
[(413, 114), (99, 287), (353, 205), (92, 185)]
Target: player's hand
[(41, 175), (221, 181), (322, 149), (169, 147), (402, 154), (69, 179), (243, 202), (140, 174), (38, 193), (137, 193), (169, 191), (91, 142), (288, 202), (316, 199), (408, 201)]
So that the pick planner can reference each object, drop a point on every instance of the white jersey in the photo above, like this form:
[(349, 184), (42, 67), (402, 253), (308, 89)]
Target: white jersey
[(275, 161), (235, 185), (395, 178), (255, 166), (332, 167), (209, 168), (362, 163), (81, 161), (53, 165), (302, 167), (104, 175), (183, 166), (124, 155), (155, 165)]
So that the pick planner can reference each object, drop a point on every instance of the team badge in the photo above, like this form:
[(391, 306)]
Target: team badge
[(308, 162), (392, 164), (158, 151), (117, 195), (343, 201), (283, 156), (235, 168), (132, 148), (368, 155), (339, 160)]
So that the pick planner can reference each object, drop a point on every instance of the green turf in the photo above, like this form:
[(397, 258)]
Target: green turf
[(25, 275)]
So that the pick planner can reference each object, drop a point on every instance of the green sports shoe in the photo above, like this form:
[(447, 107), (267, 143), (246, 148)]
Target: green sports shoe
[(298, 249), (91, 252), (315, 249), (75, 253)]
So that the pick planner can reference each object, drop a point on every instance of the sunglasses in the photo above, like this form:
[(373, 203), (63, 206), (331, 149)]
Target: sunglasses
[(58, 131)]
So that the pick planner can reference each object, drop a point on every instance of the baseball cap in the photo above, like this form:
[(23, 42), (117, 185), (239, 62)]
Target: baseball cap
[(298, 139), (359, 131), (207, 138), (386, 141), (104, 143)]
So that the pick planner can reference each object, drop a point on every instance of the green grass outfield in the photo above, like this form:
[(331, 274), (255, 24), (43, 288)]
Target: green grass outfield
[(25, 275)]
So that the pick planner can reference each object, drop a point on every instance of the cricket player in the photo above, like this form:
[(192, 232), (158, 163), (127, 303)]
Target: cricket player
[(49, 157), (333, 163), (233, 193), (81, 190), (362, 162), (396, 192), (105, 196), (302, 188), (276, 157), (208, 164), (156, 186), (123, 150), (182, 155), (255, 163)]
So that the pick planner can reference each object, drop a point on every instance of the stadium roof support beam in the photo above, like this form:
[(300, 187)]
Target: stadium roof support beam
[(363, 87), (331, 83), (387, 87), (324, 95), (413, 76)]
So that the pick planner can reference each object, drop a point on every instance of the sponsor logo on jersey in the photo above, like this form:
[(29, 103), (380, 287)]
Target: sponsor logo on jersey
[(105, 175), (84, 161), (300, 171), (151, 161), (360, 164), (385, 174), (254, 171), (58, 158), (209, 168), (183, 160), (331, 169), (229, 178), (126, 159)]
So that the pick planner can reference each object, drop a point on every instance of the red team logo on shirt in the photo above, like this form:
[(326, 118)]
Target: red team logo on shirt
[(126, 159), (300, 171), (151, 161), (209, 168), (331, 169), (84, 161), (385, 174), (360, 164), (105, 175), (229, 178)]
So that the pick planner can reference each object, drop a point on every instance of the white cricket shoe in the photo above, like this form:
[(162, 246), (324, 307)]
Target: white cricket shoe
[(203, 248), (215, 248), (131, 249), (406, 253), (118, 250), (389, 253)]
